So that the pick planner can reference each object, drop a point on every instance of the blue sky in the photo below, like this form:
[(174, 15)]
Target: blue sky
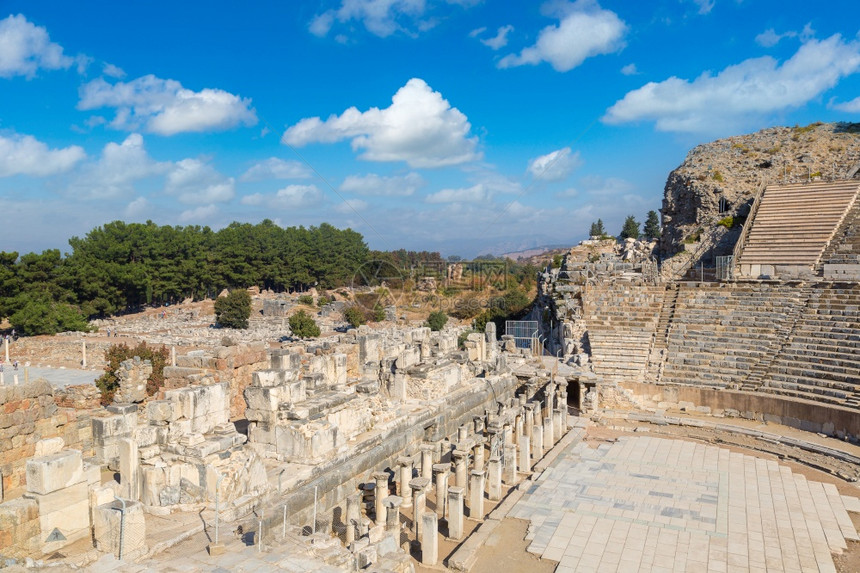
[(463, 126)]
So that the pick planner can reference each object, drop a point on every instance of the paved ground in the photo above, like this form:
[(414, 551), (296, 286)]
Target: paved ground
[(59, 377), (661, 505)]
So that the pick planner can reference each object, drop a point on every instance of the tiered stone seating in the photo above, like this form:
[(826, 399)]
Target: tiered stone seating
[(719, 333), (621, 321), (821, 360), (795, 223)]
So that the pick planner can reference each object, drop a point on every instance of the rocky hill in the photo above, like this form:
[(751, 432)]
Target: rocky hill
[(707, 197)]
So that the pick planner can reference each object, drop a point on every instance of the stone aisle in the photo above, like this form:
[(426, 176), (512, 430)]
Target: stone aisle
[(661, 505)]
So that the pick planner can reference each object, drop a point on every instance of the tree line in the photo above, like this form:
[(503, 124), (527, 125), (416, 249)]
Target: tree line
[(124, 266), (630, 229)]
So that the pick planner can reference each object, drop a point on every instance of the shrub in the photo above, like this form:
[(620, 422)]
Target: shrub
[(693, 237), (322, 301), (108, 383), (303, 326), (727, 222), (717, 176), (354, 316), (44, 316), (378, 313), (437, 320), (306, 299), (233, 310)]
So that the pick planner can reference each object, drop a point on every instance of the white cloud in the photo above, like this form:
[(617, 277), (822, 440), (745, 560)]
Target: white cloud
[(500, 40), (372, 184), (275, 168), (420, 127), (584, 30), (595, 185), (298, 197), (137, 208), (351, 206), (25, 48), (852, 106), (629, 70), (117, 170), (196, 182), (554, 166), (473, 194), (253, 199), (198, 215), (742, 92), (26, 155), (705, 6), (477, 32), (113, 71), (381, 17), (165, 107)]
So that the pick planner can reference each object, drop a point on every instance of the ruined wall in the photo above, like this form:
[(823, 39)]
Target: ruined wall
[(28, 413), (808, 416)]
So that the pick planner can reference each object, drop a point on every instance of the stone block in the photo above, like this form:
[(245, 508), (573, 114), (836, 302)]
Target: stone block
[(107, 521), (48, 446), (56, 471), (72, 521), (160, 411)]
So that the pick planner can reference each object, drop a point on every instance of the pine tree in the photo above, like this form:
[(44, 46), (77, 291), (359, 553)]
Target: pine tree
[(630, 230), (652, 226), (597, 229)]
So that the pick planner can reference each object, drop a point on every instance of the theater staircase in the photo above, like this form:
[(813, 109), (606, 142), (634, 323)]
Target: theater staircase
[(794, 224)]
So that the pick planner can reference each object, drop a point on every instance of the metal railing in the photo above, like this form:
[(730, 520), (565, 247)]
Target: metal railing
[(745, 228)]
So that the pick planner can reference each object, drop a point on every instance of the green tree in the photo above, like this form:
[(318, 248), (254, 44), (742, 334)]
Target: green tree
[(652, 226), (597, 229), (42, 315), (630, 230), (233, 310), (354, 316), (437, 320), (303, 326)]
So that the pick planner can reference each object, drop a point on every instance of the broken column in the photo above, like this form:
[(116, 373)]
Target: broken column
[(381, 493), (129, 469), (476, 504), (405, 464), (392, 513), (430, 543), (455, 512), (494, 472), (556, 424), (419, 500), (462, 433), (530, 420), (353, 514), (441, 472)]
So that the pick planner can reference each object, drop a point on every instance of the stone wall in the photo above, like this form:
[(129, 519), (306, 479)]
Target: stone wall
[(28, 413), (804, 415)]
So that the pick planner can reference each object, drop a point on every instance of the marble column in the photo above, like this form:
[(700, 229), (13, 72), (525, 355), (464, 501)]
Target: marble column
[(353, 513), (381, 493), (537, 443), (430, 543), (525, 454), (548, 433), (461, 469), (494, 477), (129, 469), (427, 460), (455, 512), (441, 471), (478, 456), (529, 422), (476, 501), (510, 470), (405, 464), (419, 503), (462, 431), (556, 424), (392, 514)]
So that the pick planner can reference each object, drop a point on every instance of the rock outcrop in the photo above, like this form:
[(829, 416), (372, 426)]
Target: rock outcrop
[(709, 195)]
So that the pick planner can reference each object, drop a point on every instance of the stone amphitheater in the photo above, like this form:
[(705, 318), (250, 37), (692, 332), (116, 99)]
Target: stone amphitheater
[(653, 421)]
